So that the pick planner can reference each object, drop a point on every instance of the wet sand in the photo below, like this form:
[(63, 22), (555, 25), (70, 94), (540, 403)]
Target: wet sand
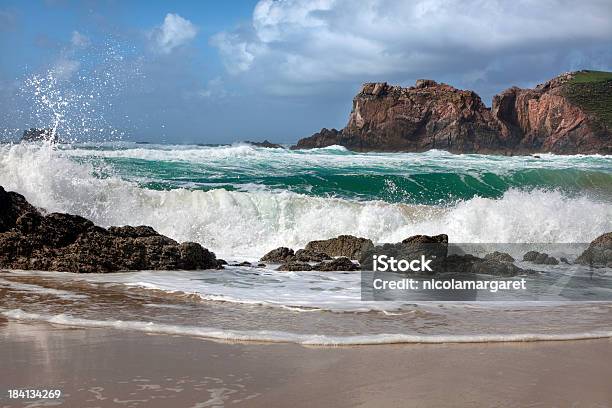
[(104, 367)]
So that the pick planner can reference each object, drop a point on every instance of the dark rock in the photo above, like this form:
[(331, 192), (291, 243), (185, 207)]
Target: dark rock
[(499, 256), (261, 265), (470, 264), (38, 135), (564, 260), (278, 255), (432, 247), (65, 242), (13, 206), (599, 252), (305, 255), (553, 117), (540, 258), (244, 263), (323, 138), (343, 245), (294, 266), (338, 264), (265, 143), (435, 248), (133, 232), (221, 262)]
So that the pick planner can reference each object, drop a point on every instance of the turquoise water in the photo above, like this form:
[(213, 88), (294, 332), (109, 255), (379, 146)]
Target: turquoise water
[(434, 177)]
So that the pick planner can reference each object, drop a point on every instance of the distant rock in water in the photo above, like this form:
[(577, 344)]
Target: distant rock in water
[(599, 252), (37, 135), (265, 143), (64, 242), (567, 115)]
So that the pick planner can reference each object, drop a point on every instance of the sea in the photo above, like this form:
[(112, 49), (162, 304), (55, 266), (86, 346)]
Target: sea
[(240, 201)]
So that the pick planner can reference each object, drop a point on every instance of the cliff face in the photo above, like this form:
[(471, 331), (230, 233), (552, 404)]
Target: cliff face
[(429, 115), (550, 119)]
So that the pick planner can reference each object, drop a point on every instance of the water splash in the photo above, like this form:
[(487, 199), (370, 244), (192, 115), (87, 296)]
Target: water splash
[(74, 99)]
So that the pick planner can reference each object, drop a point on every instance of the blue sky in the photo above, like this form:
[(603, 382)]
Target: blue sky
[(217, 72)]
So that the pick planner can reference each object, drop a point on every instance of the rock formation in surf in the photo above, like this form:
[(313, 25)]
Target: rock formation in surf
[(335, 254), (30, 239), (343, 245), (599, 252), (569, 114)]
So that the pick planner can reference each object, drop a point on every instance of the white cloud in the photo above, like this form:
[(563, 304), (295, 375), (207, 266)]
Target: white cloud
[(237, 55), (79, 40), (302, 42), (174, 32)]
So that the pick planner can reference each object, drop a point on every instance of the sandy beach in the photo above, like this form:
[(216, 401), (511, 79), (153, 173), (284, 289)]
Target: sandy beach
[(103, 367)]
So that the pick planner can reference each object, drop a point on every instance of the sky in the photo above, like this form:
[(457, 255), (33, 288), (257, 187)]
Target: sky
[(221, 72)]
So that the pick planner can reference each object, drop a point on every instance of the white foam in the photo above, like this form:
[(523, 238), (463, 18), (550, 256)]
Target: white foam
[(299, 338)]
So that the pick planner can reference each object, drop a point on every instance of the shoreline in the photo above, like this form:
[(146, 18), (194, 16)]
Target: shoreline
[(106, 367)]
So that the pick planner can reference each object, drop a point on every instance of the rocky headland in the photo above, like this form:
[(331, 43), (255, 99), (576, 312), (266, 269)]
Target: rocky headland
[(569, 114)]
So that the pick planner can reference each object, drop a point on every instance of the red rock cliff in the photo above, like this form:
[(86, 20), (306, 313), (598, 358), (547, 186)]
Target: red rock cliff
[(437, 116)]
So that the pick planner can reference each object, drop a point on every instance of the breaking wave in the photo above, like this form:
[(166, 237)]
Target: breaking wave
[(249, 223)]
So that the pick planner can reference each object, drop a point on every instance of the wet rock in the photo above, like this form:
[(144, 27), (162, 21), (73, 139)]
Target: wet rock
[(344, 245), (540, 258), (278, 255), (244, 263), (599, 252), (338, 264), (470, 264), (13, 206), (306, 255), (432, 247), (564, 260), (294, 266), (435, 248), (65, 242), (499, 256)]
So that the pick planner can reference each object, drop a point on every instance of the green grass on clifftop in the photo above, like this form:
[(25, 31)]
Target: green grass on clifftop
[(592, 91)]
